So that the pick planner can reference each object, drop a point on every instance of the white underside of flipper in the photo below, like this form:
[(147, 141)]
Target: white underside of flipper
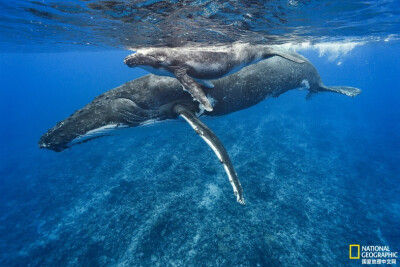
[(215, 144), (215, 149)]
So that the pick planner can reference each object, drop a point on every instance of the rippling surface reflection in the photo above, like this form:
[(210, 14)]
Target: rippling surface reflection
[(119, 24)]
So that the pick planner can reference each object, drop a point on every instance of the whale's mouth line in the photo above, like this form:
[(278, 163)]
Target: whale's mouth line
[(102, 131)]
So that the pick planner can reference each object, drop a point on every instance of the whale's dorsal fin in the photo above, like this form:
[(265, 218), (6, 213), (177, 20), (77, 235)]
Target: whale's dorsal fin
[(192, 87), (274, 52), (212, 140)]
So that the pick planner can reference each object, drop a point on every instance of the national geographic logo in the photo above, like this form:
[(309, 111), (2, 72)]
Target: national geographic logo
[(354, 252), (372, 254)]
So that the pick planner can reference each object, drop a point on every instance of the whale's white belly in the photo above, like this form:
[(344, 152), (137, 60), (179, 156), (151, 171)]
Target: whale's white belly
[(159, 72)]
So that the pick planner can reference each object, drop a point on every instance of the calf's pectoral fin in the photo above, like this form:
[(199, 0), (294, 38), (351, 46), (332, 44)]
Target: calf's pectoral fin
[(192, 87), (212, 140)]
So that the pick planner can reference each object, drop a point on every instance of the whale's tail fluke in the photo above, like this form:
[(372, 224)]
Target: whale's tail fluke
[(344, 90)]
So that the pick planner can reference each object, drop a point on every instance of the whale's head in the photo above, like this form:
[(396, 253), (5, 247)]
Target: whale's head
[(97, 119), (139, 102), (140, 59), (53, 141)]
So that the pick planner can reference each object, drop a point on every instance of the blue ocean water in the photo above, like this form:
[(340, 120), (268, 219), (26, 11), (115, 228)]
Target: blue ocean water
[(317, 175)]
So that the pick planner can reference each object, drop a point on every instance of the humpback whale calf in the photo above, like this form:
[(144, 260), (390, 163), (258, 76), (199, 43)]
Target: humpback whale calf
[(193, 66), (154, 98)]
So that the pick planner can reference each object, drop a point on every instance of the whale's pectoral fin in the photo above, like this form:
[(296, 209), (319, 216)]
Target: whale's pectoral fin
[(274, 52), (192, 87), (212, 140)]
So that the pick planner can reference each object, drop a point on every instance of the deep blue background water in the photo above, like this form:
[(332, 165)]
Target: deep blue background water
[(317, 175)]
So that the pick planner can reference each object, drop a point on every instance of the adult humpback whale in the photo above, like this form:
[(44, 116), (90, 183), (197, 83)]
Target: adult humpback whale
[(159, 98), (193, 66)]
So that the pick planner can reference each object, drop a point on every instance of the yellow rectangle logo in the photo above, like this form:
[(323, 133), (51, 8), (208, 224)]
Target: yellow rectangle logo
[(358, 252)]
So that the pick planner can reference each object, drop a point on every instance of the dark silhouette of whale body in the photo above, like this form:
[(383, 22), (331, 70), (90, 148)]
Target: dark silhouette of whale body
[(193, 66), (154, 98)]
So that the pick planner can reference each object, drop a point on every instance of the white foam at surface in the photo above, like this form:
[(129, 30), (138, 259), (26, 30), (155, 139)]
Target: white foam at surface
[(334, 51), (391, 37)]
